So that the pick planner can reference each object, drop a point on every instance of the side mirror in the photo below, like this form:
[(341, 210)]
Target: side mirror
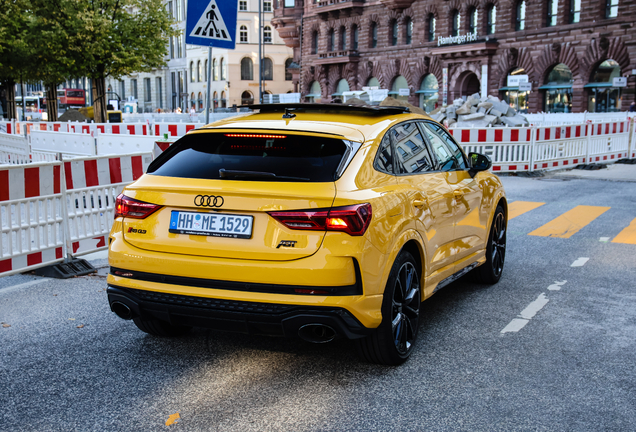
[(478, 162)]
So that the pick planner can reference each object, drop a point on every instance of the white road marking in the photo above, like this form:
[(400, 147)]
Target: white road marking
[(556, 286), (515, 325), (604, 239), (534, 307), (23, 285), (580, 262)]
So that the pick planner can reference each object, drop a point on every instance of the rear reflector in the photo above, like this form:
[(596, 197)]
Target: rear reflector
[(353, 220), (310, 291), (131, 208)]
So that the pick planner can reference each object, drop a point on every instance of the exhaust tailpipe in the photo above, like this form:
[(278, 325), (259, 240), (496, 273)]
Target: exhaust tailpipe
[(317, 333), (121, 310)]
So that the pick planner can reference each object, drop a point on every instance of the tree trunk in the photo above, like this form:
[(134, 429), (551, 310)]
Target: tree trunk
[(51, 102), (12, 110), (99, 99)]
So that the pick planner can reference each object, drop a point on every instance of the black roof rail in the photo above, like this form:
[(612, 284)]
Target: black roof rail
[(368, 109)]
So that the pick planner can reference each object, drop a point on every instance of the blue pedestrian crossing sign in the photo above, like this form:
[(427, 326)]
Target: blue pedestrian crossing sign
[(211, 23)]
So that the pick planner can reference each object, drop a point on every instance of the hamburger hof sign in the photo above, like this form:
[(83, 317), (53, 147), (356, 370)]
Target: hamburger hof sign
[(458, 40)]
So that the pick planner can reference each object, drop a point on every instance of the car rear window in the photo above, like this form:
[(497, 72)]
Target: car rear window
[(252, 157)]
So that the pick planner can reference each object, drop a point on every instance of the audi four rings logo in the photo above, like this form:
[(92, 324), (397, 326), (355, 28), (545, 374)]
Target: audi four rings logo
[(208, 201)]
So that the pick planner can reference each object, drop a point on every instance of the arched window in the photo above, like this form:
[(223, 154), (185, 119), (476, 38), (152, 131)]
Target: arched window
[(205, 70), (247, 69), (473, 20), (223, 101), (199, 72), (575, 11), (223, 71), (521, 16), (374, 35), (492, 19), (215, 71), (247, 98), (511, 94), (558, 90), (267, 35), (315, 92), (456, 21), (243, 34), (343, 38), (373, 82), (193, 101), (343, 86), (215, 100), (191, 71), (314, 42), (399, 84), (602, 97), (354, 37), (331, 40), (288, 74), (611, 8), (429, 93), (408, 26), (200, 100), (431, 28), (268, 69), (553, 10), (394, 32)]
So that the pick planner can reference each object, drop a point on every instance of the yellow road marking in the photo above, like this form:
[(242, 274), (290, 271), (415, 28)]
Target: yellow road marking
[(569, 223), (172, 419), (628, 235), (517, 208)]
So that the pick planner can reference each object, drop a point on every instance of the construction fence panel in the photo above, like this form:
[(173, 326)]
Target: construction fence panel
[(109, 144), (609, 141), (32, 217), (92, 185), (45, 145), (560, 146), (174, 129), (14, 149)]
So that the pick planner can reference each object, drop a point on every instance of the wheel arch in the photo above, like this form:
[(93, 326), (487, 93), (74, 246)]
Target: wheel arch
[(412, 242)]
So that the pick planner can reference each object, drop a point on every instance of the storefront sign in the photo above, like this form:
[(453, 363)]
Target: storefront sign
[(458, 40), (619, 82), (515, 80), (525, 86), (404, 92)]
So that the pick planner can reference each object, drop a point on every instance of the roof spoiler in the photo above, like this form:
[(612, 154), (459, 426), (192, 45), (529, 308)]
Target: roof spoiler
[(368, 109)]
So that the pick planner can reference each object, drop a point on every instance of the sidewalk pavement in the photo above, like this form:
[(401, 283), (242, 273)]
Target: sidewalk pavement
[(613, 172)]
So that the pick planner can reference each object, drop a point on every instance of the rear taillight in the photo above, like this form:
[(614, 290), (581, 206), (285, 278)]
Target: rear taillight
[(353, 219), (131, 208)]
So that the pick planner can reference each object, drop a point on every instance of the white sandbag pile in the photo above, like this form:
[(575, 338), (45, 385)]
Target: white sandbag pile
[(479, 112)]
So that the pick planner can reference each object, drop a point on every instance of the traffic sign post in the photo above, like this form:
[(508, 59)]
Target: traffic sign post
[(211, 23)]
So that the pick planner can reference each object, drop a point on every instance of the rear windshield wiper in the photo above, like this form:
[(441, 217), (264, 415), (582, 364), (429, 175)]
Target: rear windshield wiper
[(237, 174)]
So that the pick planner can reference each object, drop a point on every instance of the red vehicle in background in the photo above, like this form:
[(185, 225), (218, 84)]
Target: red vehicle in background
[(71, 99)]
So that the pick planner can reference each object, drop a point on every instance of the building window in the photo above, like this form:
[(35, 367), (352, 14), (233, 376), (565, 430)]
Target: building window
[(222, 68), (429, 93), (159, 91), (247, 98), (243, 34), (173, 82), (288, 74), (408, 26), (492, 19), (314, 42), (243, 5), (215, 70), (456, 20), (431, 28), (611, 9), (122, 89), (521, 16), (171, 48), (179, 46), (170, 10), (343, 38), (199, 71), (267, 5), (331, 40), (374, 35), (558, 90), (290, 3), (267, 35), (192, 72), (354, 31), (133, 85), (473, 20), (394, 32), (177, 4), (205, 71), (553, 10), (247, 69), (575, 11), (147, 90), (268, 70), (602, 97)]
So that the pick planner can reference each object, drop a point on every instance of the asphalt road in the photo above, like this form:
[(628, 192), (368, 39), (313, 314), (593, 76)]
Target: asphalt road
[(565, 360)]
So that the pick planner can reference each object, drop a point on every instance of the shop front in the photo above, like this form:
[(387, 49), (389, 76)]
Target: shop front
[(603, 96)]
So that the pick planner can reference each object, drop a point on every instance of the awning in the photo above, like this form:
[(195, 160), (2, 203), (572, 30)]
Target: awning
[(509, 89), (598, 84), (337, 94), (427, 91), (555, 86), (313, 95)]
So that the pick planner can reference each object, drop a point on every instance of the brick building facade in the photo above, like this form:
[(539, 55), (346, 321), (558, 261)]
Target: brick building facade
[(570, 50)]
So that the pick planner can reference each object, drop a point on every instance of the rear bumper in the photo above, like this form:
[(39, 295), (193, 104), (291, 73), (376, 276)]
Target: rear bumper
[(236, 316)]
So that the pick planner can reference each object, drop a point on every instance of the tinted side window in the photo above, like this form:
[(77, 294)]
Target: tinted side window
[(411, 153), (384, 158), (447, 152)]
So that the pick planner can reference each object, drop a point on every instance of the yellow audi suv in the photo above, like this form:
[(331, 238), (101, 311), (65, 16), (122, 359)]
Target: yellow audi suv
[(309, 220)]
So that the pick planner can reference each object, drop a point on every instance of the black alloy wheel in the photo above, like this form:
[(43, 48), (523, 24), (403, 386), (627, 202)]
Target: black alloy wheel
[(393, 341), (490, 272)]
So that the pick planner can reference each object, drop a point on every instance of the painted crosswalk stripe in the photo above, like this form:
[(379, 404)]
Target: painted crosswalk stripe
[(517, 208), (628, 235), (580, 262), (570, 222)]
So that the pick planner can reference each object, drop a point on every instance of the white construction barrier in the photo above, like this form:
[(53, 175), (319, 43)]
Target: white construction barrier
[(14, 149), (31, 217), (111, 144), (69, 144)]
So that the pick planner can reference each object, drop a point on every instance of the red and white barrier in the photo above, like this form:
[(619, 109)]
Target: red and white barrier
[(32, 223), (7, 127), (14, 149), (174, 129)]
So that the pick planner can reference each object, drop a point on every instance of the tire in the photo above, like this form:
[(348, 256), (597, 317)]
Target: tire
[(490, 272), (160, 328), (393, 341)]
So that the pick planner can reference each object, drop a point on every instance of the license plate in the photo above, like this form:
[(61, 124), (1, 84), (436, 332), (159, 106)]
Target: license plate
[(211, 224)]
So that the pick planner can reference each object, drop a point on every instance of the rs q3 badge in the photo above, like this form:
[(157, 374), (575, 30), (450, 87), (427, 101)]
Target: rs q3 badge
[(287, 243)]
